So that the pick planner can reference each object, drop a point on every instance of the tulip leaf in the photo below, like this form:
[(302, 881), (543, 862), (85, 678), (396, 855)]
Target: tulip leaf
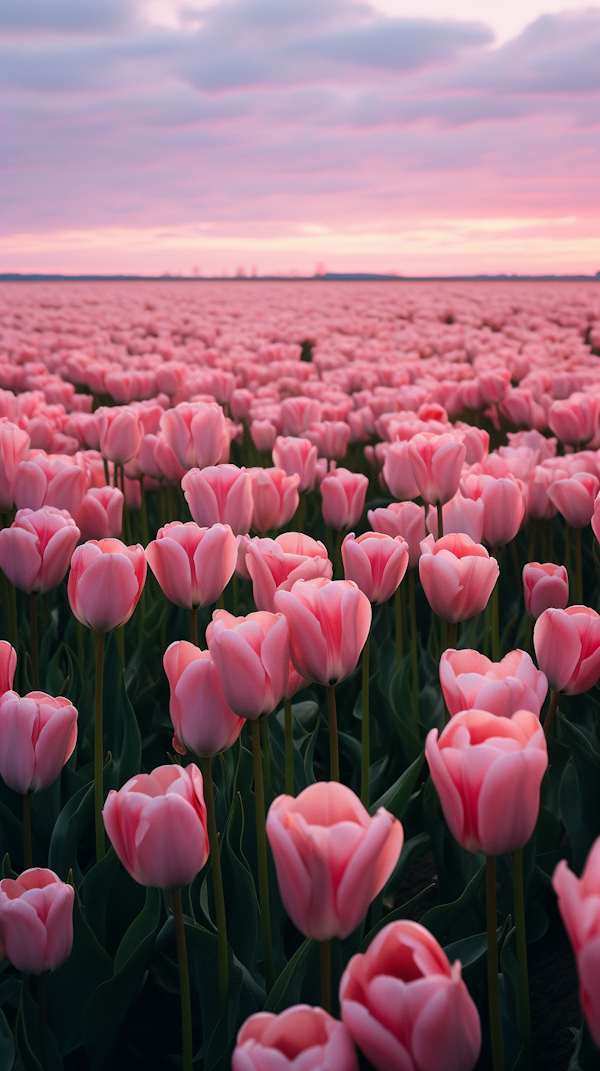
[(243, 916), (12, 834), (402, 912), (121, 733), (141, 928), (7, 1044), (443, 918), (396, 797), (203, 963), (580, 790), (309, 755), (25, 1053), (75, 816), (288, 987)]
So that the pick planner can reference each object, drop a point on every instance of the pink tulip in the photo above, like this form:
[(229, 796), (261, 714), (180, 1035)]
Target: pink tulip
[(457, 575), (479, 760), (202, 720), (329, 621), (331, 857), (37, 736), (376, 563), (544, 586), (252, 658), (573, 420), (575, 498), (296, 456), (579, 905), (195, 432), (50, 481), (36, 550), (406, 1007), (193, 565), (220, 494), (469, 679), (157, 826), (567, 648), (8, 665), (297, 413), (503, 506), (36, 920), (100, 515), (460, 515), (301, 1037), (437, 462), (275, 498), (120, 433), (105, 583), (405, 519), (14, 447), (276, 564), (330, 438), (397, 471), (343, 493), (263, 434)]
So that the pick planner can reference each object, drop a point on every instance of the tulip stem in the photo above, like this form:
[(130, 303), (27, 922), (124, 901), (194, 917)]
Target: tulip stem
[(492, 964), (365, 742), (43, 1020), (27, 850), (145, 532), (289, 747), (301, 512), (217, 879), (495, 625), (235, 593), (521, 943), (33, 627), (170, 506), (106, 472), (261, 853), (440, 520), (552, 708), (194, 625), (414, 642), (398, 614), (99, 748), (266, 753), (452, 634), (326, 976), (184, 981), (578, 568), (532, 541), (221, 602), (334, 758)]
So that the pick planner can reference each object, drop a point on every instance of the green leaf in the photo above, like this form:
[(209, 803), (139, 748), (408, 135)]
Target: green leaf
[(70, 826), (402, 912), (441, 919), (309, 755), (7, 1044), (580, 790), (241, 904), (121, 733), (26, 1054), (395, 798), (288, 987)]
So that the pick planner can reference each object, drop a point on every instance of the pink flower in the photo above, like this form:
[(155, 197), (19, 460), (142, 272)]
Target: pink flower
[(301, 1037), (157, 826), (202, 719), (36, 920), (263, 434), (36, 550), (105, 583), (120, 433), (50, 481), (575, 498), (406, 1007), (567, 648), (457, 575), (330, 437), (343, 493), (14, 447), (460, 515), (100, 515), (579, 905), (220, 494), (376, 563), (331, 858), (573, 420), (276, 564), (275, 498), (503, 506), (479, 760), (544, 586), (469, 679), (397, 471), (195, 432), (437, 462), (8, 665), (252, 658), (193, 565), (37, 736), (296, 456), (405, 519)]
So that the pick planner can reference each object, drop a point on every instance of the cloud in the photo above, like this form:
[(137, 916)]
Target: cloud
[(68, 16)]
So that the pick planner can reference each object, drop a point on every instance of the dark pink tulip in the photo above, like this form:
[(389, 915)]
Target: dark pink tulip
[(406, 1007), (100, 515), (567, 648), (343, 493), (202, 719), (276, 564), (36, 550), (575, 498), (193, 565), (275, 498), (295, 455), (479, 760), (470, 680), (437, 462), (8, 665), (544, 586), (105, 582), (14, 447), (300, 1037), (579, 905), (405, 519), (37, 736), (36, 920), (220, 494), (376, 563), (331, 857), (120, 433), (252, 658), (157, 826), (397, 471), (457, 575)]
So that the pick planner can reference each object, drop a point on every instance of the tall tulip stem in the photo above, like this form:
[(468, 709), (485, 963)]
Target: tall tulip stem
[(414, 641), (440, 520), (184, 981), (578, 568), (27, 851), (289, 747), (452, 634), (194, 625), (521, 943), (365, 741), (495, 625), (99, 747), (552, 708), (326, 976), (33, 626), (43, 1020), (492, 964), (398, 615), (261, 853), (334, 758), (217, 879)]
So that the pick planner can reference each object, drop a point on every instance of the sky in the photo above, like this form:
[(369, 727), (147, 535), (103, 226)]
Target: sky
[(209, 137)]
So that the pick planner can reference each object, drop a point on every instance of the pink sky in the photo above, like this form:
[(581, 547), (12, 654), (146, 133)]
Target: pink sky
[(276, 135)]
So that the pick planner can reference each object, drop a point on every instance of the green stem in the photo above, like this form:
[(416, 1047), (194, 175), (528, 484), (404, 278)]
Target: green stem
[(145, 532), (495, 624), (170, 506), (43, 1020), (221, 601), (99, 748), (443, 635), (120, 634), (452, 635), (289, 747), (492, 964), (27, 851), (440, 520), (162, 515), (414, 642), (398, 614), (550, 712), (33, 626), (235, 593), (261, 853), (300, 517), (265, 741), (194, 626), (578, 568), (521, 943), (567, 561), (106, 472), (217, 878), (532, 541), (80, 646), (334, 759), (184, 981), (326, 976), (365, 742)]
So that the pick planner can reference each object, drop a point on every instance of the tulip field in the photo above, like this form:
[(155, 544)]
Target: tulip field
[(299, 664)]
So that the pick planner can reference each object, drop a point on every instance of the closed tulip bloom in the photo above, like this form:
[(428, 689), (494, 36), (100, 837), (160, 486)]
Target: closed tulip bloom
[(579, 905), (437, 462), (100, 515), (263, 434), (544, 585), (575, 498), (376, 563), (397, 471), (275, 498), (469, 679), (202, 719), (406, 1007), (193, 565), (343, 493), (14, 448), (300, 1038), (330, 437), (8, 665), (157, 826), (105, 583), (36, 550), (331, 857), (405, 519), (460, 515), (457, 575), (50, 481), (36, 920), (503, 506), (479, 760), (38, 734), (195, 432), (276, 564), (120, 433), (572, 420), (329, 621), (567, 648), (252, 658), (220, 494), (296, 456)]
